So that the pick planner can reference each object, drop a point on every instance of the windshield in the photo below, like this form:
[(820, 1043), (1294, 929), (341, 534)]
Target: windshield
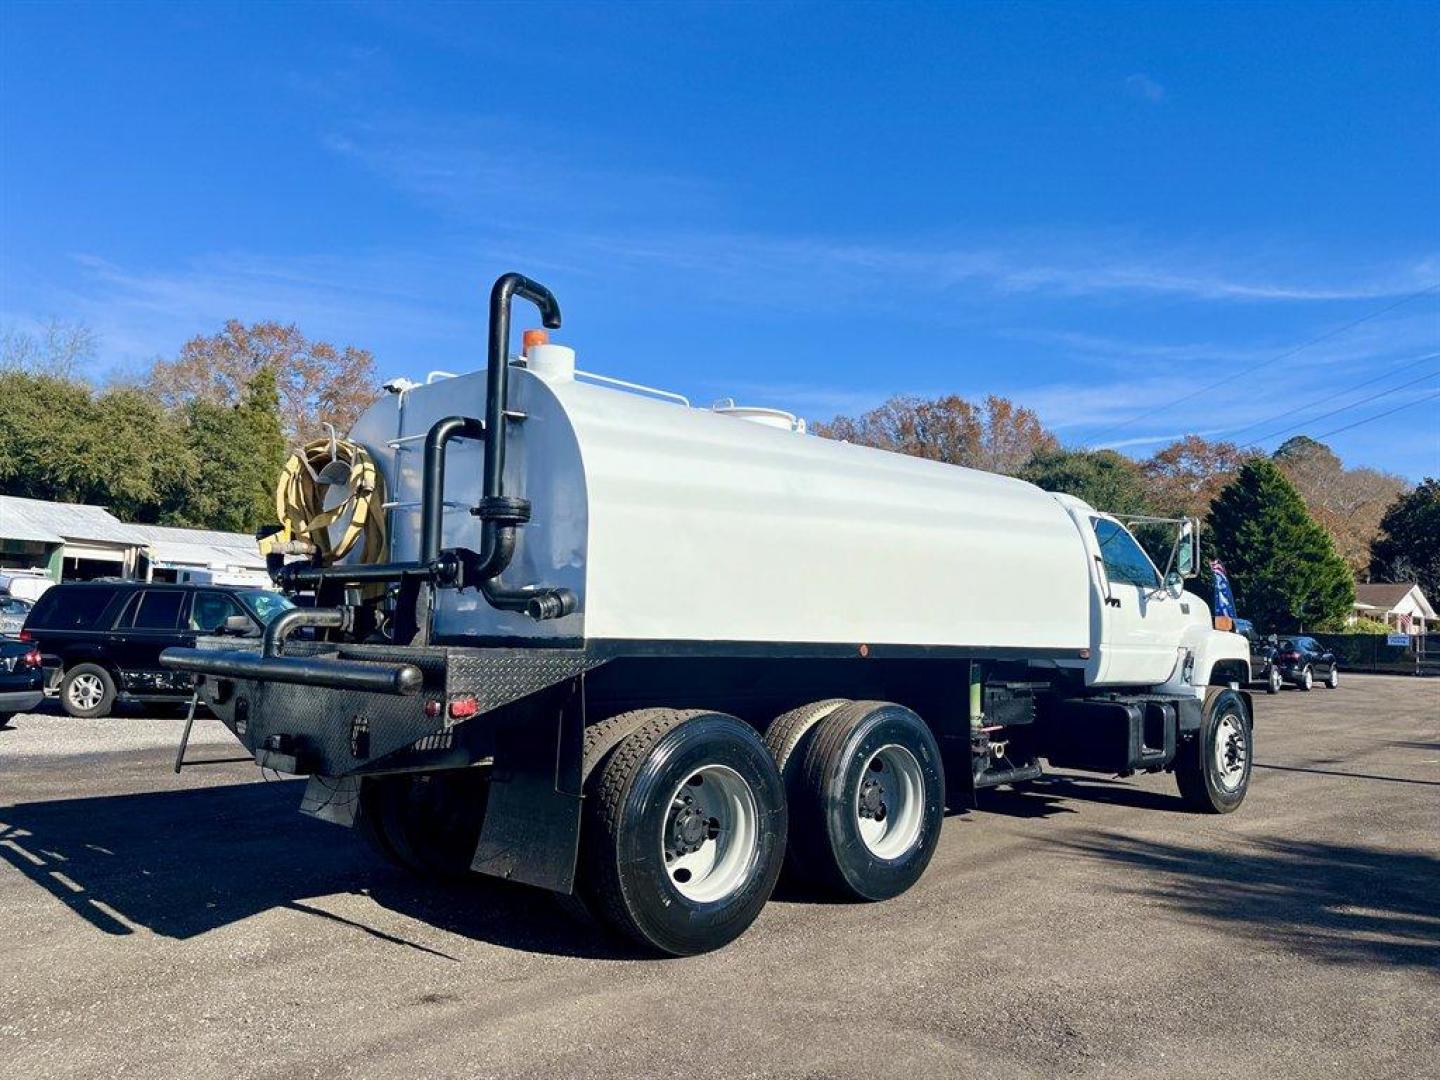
[(265, 605), (1124, 559)]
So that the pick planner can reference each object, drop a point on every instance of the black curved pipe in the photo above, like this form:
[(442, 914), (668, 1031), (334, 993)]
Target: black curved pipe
[(497, 383), (287, 622), (432, 496)]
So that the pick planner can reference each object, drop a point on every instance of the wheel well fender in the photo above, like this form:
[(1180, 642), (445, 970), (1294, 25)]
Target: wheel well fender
[(1224, 672)]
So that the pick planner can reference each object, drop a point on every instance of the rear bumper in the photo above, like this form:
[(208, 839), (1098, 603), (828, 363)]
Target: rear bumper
[(339, 710), (17, 701)]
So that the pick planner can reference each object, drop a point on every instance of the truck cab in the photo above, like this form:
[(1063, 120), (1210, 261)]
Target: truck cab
[(1147, 629)]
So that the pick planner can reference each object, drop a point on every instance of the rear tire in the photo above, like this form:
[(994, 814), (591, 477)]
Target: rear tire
[(868, 803), (1273, 681), (428, 823), (1306, 680), (1213, 768), (684, 832), (87, 691), (5, 719)]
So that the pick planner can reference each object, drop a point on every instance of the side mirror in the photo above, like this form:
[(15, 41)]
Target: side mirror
[(1187, 558), (239, 625), (1174, 584)]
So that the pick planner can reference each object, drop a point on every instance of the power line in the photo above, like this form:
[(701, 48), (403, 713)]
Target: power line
[(1347, 408), (1378, 416), (1232, 432), (1274, 360)]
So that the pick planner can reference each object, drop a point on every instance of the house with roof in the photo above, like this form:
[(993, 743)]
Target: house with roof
[(78, 542), (70, 541), (1400, 605)]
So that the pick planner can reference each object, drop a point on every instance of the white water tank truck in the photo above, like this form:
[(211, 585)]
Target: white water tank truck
[(655, 655)]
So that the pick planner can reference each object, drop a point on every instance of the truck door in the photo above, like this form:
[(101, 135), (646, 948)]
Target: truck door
[(1140, 622)]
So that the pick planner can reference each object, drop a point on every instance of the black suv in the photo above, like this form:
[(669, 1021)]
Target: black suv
[(1262, 656), (104, 638)]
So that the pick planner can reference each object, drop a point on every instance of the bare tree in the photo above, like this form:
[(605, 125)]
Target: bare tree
[(317, 381), (996, 435), (1349, 503), (1185, 477), (58, 349)]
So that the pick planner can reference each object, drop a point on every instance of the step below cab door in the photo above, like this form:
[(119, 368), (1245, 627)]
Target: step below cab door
[(1141, 623)]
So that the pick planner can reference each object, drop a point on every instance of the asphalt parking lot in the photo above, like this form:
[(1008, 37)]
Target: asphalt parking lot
[(196, 926)]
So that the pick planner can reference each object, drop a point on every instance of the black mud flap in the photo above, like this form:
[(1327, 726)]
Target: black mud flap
[(532, 819)]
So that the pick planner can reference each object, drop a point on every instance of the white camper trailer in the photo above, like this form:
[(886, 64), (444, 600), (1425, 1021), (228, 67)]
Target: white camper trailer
[(654, 654)]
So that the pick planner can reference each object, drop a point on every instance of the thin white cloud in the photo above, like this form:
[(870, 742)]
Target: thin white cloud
[(1142, 86), (139, 313)]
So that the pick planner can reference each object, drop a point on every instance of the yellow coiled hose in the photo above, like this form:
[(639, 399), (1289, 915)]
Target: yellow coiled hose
[(304, 489)]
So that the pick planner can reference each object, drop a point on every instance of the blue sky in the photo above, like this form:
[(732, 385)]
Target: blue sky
[(1092, 209)]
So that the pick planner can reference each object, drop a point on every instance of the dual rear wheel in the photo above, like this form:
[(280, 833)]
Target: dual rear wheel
[(691, 817)]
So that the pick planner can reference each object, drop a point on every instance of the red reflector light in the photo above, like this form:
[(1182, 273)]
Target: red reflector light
[(433, 708), (1290, 656), (32, 658), (25, 636), (462, 708)]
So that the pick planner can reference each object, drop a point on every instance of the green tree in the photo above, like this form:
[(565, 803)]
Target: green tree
[(1283, 566), (1107, 480), (61, 441), (238, 451), (1407, 547)]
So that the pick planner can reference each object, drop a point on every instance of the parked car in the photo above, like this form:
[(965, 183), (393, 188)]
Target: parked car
[(22, 678), (1301, 660), (104, 639), (1262, 656), (13, 612)]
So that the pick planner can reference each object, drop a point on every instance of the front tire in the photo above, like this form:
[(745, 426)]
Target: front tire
[(684, 832), (869, 802), (87, 691), (1213, 768), (1332, 680)]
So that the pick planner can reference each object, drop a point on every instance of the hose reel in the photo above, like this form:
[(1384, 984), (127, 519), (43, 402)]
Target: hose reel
[(307, 484)]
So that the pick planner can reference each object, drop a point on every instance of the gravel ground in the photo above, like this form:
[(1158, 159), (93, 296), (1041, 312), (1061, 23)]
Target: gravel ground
[(196, 926)]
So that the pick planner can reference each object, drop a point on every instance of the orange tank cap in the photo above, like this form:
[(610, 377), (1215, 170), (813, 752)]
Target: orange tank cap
[(534, 337)]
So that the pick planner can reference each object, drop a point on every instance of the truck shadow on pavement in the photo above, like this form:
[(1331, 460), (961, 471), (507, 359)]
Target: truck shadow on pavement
[(1333, 903), (180, 863)]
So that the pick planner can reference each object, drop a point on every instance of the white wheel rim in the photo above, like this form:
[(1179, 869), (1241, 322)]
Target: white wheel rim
[(1232, 751), (711, 835), (1334, 676), (86, 691), (890, 802), (1308, 677)]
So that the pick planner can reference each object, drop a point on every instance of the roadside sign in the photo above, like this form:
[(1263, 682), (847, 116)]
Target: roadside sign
[(1398, 639)]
